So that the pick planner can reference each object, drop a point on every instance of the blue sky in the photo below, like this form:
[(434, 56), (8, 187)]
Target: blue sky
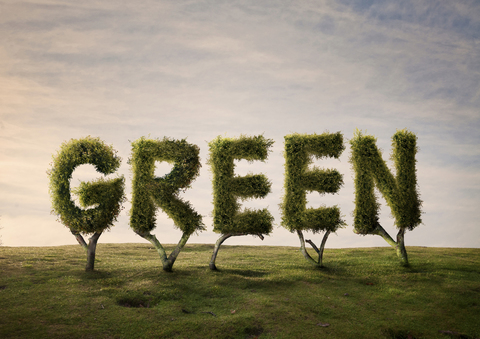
[(199, 69)]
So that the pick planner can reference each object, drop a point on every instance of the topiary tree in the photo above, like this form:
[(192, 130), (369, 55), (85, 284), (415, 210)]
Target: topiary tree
[(300, 149), (399, 191), (228, 188), (107, 195), (150, 192)]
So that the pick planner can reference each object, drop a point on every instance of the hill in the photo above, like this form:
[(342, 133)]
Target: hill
[(258, 292)]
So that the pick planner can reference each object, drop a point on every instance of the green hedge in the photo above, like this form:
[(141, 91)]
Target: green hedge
[(371, 171), (228, 188), (108, 194), (300, 149), (150, 192)]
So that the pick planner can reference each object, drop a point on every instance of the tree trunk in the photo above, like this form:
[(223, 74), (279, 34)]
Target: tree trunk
[(401, 251), (92, 246), (173, 256), (384, 234), (217, 247), (322, 247), (80, 240), (167, 263), (220, 242), (399, 245), (319, 262)]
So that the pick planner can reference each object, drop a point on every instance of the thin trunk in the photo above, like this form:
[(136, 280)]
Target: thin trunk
[(319, 262), (173, 256), (401, 251), (216, 248), (220, 242), (322, 247), (154, 241), (303, 249), (167, 263), (398, 245), (80, 240), (92, 246), (381, 232)]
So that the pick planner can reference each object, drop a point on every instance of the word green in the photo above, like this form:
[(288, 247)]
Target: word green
[(149, 192)]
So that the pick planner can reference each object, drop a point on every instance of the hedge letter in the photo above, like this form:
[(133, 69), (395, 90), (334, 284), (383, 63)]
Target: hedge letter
[(400, 192), (228, 188), (107, 194), (150, 192), (299, 151)]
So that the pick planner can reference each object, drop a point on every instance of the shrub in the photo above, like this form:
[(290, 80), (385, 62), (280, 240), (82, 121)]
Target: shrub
[(229, 188), (400, 191), (107, 195), (150, 192), (300, 149)]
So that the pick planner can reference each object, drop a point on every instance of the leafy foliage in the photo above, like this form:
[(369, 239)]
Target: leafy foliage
[(108, 194), (371, 171), (150, 191), (300, 149), (228, 187)]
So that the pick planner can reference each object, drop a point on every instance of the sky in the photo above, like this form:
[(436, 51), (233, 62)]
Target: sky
[(120, 70)]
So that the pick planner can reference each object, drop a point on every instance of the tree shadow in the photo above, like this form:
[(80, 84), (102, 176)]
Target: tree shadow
[(244, 273)]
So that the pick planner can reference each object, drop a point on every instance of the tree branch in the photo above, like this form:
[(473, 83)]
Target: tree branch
[(173, 256), (401, 251), (80, 239), (379, 230), (313, 245), (399, 245), (167, 263), (220, 241), (154, 241), (304, 250), (92, 247), (307, 256)]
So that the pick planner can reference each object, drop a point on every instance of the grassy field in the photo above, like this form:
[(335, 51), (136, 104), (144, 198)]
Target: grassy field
[(258, 292)]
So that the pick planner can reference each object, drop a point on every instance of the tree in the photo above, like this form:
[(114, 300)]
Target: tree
[(228, 188), (106, 195), (300, 149), (399, 191), (150, 192)]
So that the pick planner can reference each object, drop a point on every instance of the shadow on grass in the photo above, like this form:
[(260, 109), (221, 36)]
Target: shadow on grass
[(243, 273), (400, 334), (93, 275), (145, 299)]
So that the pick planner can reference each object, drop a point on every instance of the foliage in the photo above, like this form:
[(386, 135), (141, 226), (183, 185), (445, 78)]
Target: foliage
[(150, 191), (371, 171), (300, 149), (107, 194), (228, 187)]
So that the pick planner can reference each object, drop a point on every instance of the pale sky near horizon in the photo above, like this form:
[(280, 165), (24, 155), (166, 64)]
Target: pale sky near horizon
[(199, 69)]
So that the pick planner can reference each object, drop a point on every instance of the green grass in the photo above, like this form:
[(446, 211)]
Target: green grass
[(258, 292)]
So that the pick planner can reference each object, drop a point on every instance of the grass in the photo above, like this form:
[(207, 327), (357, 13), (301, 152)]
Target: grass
[(258, 292)]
